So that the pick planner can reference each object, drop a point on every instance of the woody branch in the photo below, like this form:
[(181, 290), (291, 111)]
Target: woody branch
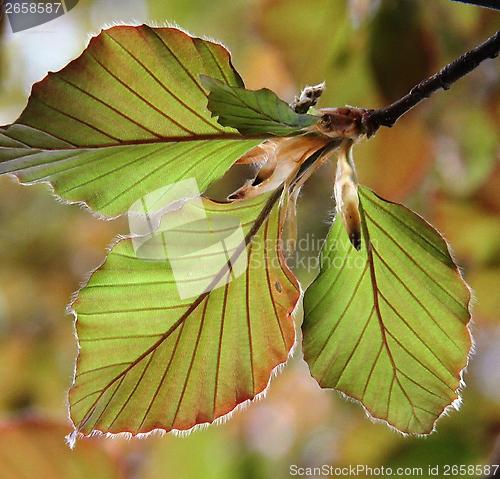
[(442, 80)]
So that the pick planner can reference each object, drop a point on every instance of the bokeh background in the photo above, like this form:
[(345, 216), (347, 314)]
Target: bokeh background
[(441, 159)]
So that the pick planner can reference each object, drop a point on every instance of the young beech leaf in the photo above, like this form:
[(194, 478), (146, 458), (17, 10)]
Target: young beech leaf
[(125, 118), (253, 112), (387, 325), (151, 360)]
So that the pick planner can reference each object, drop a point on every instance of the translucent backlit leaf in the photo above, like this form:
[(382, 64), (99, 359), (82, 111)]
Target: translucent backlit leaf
[(387, 325), (153, 356), (252, 112), (125, 118)]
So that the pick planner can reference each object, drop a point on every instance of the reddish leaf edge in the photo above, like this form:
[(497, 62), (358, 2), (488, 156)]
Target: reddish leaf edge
[(72, 437)]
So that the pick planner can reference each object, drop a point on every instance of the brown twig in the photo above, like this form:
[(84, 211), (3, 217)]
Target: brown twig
[(442, 80)]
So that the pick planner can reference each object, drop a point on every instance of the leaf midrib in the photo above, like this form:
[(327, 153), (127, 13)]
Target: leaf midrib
[(383, 331), (146, 141)]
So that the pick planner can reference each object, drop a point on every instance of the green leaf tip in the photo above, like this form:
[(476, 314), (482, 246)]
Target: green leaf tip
[(387, 325), (254, 112)]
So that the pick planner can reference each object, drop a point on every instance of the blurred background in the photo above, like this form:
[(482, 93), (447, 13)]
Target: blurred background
[(441, 159)]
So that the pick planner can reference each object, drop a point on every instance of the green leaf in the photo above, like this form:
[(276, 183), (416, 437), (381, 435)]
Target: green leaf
[(125, 118), (387, 325), (253, 112), (153, 358)]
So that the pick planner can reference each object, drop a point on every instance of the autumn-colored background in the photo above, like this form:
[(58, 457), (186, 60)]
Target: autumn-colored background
[(442, 160)]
